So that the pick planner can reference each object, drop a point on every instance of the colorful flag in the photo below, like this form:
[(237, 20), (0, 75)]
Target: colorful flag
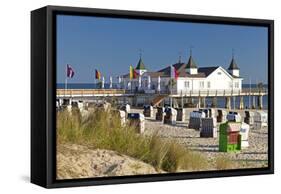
[(135, 74), (69, 71), (174, 72), (131, 72), (97, 74)]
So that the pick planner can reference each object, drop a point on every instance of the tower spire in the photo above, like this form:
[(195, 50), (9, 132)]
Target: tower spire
[(140, 68), (233, 64), (233, 68), (191, 67)]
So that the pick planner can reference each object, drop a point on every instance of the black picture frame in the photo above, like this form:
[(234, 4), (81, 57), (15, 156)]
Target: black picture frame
[(43, 91)]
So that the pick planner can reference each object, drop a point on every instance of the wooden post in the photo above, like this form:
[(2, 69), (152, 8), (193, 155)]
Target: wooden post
[(214, 102), (234, 104), (228, 102), (260, 103), (181, 100), (254, 103), (241, 103), (199, 100), (203, 102)]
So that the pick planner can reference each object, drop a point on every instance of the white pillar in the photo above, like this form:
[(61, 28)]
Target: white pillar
[(158, 85), (102, 83), (110, 82), (129, 85), (119, 82), (149, 82), (139, 82)]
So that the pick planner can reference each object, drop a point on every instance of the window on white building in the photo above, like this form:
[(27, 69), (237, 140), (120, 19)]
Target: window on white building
[(201, 84), (186, 84), (209, 84)]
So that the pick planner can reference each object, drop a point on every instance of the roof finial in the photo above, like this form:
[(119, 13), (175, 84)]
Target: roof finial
[(180, 53), (232, 53)]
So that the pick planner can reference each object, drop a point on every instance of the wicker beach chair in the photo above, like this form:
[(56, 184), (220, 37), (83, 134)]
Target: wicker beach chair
[(244, 132), (137, 120), (233, 116), (148, 111), (160, 113), (249, 117), (181, 114), (221, 118), (208, 127), (195, 119), (170, 116)]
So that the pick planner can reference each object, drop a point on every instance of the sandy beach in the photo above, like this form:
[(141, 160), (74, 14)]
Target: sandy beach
[(255, 156)]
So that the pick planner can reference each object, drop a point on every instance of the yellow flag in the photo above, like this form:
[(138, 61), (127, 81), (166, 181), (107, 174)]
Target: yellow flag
[(131, 72)]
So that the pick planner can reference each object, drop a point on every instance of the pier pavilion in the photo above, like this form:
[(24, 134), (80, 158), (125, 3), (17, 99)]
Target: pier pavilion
[(192, 83), (182, 78)]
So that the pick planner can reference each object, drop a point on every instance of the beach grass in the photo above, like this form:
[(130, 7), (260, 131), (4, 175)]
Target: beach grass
[(223, 162), (102, 129)]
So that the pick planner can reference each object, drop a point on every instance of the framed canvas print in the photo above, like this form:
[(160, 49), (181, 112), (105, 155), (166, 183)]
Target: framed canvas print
[(125, 96)]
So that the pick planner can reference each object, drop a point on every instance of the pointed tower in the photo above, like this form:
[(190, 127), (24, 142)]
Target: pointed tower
[(233, 68), (140, 69), (191, 67)]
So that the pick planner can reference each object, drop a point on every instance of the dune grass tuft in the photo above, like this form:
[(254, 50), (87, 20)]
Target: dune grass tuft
[(102, 129), (223, 162)]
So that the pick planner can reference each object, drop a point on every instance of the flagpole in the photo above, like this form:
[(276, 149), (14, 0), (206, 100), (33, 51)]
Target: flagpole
[(250, 94), (171, 100), (131, 85), (65, 83), (65, 86)]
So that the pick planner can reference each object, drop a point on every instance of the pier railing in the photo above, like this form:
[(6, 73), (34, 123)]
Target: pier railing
[(89, 92), (243, 92), (194, 93), (206, 92)]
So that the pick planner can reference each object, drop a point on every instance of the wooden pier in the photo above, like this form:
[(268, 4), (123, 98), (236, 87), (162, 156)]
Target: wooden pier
[(157, 98)]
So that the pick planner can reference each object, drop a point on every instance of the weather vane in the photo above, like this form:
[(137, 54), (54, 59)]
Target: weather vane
[(180, 53)]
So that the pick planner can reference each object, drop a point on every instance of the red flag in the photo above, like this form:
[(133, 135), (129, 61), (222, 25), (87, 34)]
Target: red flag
[(176, 73), (135, 74), (69, 71)]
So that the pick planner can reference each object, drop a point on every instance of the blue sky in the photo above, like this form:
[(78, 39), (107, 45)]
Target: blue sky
[(111, 45)]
